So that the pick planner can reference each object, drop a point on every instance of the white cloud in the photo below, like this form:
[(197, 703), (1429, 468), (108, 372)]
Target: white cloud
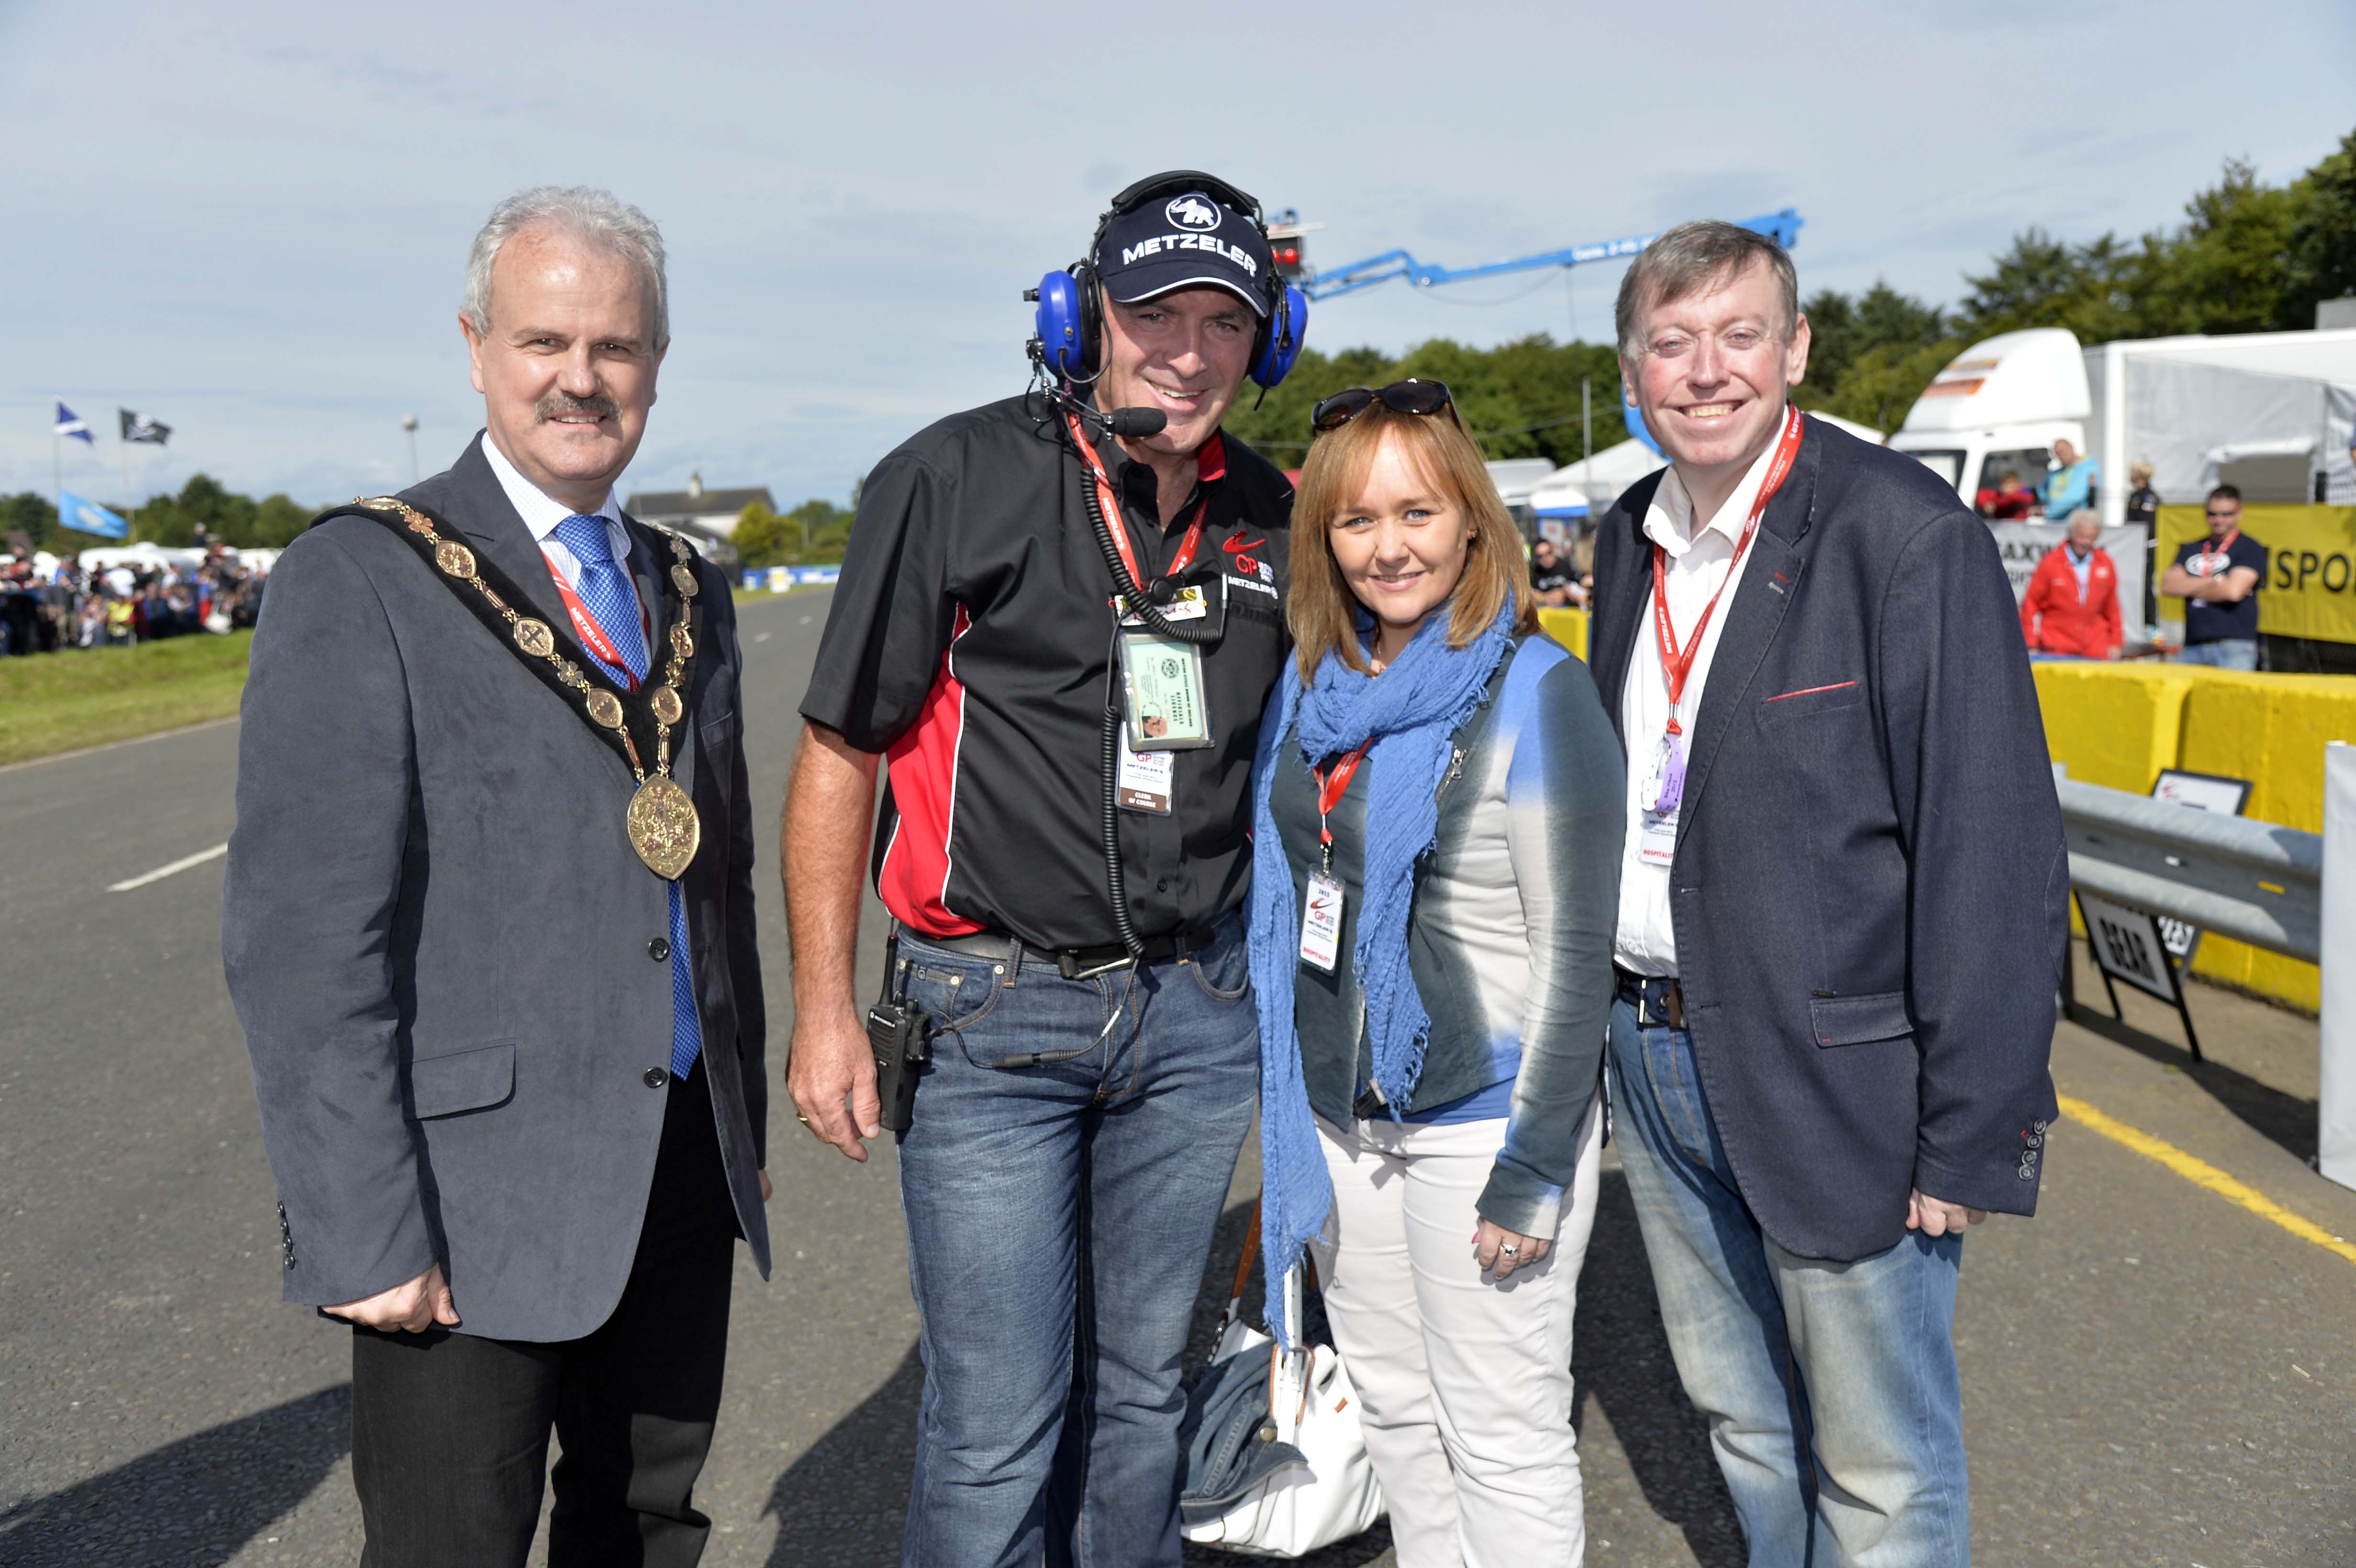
[(250, 221)]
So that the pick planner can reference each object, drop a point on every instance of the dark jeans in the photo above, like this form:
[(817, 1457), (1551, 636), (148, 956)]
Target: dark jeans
[(1059, 1218), (450, 1430)]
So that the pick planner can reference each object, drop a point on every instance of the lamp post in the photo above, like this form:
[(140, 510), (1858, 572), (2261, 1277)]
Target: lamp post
[(408, 423)]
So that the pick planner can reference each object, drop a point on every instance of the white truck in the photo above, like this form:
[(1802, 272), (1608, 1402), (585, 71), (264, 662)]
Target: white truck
[(1999, 408)]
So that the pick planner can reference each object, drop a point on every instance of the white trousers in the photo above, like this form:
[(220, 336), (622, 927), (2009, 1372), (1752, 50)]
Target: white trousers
[(1464, 1383)]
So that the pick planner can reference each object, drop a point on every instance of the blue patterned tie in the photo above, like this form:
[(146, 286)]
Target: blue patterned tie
[(607, 594)]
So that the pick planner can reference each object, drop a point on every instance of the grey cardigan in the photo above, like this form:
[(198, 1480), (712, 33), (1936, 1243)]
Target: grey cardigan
[(1510, 937)]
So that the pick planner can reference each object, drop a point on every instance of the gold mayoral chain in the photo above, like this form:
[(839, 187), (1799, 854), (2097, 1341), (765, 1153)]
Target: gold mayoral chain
[(661, 821)]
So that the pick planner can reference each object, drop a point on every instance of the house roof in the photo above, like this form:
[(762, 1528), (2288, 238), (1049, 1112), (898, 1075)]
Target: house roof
[(680, 504)]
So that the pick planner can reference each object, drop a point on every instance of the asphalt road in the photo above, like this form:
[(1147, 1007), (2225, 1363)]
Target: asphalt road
[(2153, 1375)]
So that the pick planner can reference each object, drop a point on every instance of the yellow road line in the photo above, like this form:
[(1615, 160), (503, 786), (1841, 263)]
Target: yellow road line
[(2200, 1173)]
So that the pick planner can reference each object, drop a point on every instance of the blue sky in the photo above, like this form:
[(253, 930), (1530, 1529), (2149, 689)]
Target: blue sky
[(251, 220)]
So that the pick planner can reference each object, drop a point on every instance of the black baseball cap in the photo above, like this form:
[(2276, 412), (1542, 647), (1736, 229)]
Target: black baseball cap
[(1186, 240)]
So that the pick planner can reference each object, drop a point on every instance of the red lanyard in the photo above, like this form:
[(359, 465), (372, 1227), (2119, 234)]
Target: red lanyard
[(586, 627), (2220, 553), (1332, 785), (1120, 525), (1678, 664)]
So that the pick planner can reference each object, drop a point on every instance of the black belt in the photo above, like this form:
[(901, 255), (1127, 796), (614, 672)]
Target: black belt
[(1658, 999), (1072, 963)]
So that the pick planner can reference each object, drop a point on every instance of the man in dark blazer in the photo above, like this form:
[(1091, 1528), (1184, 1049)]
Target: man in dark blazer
[(1842, 913), (507, 1050)]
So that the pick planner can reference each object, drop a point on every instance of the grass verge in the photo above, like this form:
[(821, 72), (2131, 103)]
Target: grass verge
[(60, 701)]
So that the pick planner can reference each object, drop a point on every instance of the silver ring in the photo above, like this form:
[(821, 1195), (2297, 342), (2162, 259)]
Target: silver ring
[(1510, 1250)]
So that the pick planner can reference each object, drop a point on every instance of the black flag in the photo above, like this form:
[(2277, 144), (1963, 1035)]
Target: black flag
[(139, 427)]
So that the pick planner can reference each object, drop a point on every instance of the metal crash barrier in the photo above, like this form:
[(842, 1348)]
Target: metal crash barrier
[(2149, 876)]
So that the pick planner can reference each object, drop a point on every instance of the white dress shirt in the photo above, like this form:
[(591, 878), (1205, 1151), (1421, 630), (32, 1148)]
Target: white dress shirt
[(541, 513), (1647, 941)]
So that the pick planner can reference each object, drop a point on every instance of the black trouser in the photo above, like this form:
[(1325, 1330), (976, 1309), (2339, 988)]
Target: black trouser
[(450, 1430)]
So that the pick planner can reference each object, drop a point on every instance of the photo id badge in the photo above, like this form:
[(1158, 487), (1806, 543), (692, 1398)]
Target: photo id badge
[(1163, 680), (1145, 779), (1321, 922), (1661, 793)]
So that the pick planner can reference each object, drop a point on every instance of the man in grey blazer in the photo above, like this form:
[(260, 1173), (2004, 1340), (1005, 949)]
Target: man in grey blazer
[(1841, 919), (508, 1048)]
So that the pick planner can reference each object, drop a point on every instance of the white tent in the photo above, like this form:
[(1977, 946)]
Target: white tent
[(1862, 431), (146, 555), (1516, 476), (2276, 407), (1596, 482)]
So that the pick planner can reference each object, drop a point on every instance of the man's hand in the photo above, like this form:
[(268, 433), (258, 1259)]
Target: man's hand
[(411, 1309), (829, 1068), (767, 1191), (1937, 1217)]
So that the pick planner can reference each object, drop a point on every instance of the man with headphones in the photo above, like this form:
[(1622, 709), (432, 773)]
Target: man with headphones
[(1058, 619)]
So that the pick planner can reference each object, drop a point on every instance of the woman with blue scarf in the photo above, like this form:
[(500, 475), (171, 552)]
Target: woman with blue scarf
[(1438, 811)]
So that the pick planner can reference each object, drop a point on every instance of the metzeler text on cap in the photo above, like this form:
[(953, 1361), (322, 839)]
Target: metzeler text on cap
[(1186, 241)]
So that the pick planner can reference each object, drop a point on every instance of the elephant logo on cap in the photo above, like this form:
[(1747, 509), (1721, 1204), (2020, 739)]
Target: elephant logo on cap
[(1194, 213)]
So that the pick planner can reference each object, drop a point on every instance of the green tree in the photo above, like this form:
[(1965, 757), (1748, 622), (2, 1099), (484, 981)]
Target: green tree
[(813, 534), (2322, 243), (277, 523)]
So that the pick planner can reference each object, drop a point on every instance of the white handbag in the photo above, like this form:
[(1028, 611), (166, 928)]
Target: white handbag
[(1277, 1461)]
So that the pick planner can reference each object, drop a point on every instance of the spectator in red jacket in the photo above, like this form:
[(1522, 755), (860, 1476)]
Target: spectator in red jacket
[(2072, 607)]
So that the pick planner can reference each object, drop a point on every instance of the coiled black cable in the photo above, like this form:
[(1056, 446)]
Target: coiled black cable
[(1139, 601)]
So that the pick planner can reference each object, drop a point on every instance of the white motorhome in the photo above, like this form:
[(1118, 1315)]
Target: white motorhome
[(2000, 407)]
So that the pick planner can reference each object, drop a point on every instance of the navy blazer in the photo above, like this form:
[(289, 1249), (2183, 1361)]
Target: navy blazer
[(1870, 890), (439, 941)]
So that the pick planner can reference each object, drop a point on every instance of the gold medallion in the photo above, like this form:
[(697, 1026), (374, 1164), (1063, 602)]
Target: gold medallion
[(534, 637), (605, 707), (662, 827), (668, 707), (454, 559), (685, 577), (681, 641)]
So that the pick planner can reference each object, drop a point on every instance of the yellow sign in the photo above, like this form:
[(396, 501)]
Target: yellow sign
[(2310, 585)]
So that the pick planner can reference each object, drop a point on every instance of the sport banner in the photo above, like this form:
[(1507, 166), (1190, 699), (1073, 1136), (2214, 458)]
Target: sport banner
[(2310, 585)]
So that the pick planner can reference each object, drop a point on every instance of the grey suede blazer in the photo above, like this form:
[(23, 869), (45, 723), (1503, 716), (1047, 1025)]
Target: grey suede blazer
[(437, 936)]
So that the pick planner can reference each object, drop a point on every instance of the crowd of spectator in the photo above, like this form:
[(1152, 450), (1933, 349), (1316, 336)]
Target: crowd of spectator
[(67, 605)]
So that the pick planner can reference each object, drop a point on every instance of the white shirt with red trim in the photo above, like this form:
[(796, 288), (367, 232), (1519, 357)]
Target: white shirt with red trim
[(1647, 941)]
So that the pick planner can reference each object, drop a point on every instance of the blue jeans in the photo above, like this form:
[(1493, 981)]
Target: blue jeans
[(1059, 1218), (2225, 653), (1862, 1352)]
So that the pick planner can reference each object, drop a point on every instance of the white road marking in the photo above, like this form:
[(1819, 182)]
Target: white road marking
[(762, 638), (160, 872)]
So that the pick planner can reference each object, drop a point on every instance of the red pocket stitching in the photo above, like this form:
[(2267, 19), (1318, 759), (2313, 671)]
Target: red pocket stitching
[(1812, 690)]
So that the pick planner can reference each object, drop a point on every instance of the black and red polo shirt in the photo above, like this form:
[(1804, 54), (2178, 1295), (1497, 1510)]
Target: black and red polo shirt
[(970, 642)]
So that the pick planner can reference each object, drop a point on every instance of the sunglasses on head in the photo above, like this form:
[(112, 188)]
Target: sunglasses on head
[(1407, 397)]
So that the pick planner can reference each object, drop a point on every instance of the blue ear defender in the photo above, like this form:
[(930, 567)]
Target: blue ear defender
[(1281, 336), (1063, 338), (1065, 326)]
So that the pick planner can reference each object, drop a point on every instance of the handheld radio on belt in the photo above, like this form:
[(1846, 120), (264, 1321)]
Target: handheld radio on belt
[(896, 1038)]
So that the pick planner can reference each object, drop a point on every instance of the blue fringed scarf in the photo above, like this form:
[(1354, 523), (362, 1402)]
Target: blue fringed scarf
[(1411, 711)]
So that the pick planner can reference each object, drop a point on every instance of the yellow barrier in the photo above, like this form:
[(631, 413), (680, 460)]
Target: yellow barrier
[(1567, 627), (2118, 725)]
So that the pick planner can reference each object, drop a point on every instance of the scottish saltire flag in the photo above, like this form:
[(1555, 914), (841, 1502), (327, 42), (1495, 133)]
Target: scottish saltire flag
[(139, 427), (90, 517), (69, 423)]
